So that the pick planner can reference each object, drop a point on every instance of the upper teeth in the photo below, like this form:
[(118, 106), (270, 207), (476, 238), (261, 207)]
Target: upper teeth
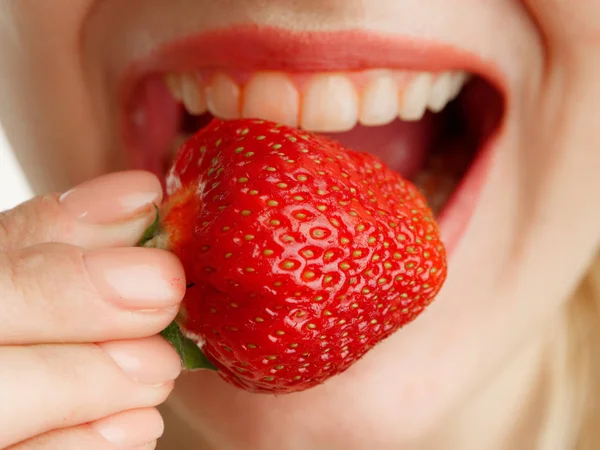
[(324, 102)]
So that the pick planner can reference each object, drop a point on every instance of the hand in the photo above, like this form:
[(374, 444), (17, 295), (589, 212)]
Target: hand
[(81, 365)]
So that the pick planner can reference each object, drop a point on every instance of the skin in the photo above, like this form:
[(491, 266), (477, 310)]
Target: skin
[(476, 358)]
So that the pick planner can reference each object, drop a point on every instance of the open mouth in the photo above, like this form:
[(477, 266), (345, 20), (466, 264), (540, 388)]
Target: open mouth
[(432, 127)]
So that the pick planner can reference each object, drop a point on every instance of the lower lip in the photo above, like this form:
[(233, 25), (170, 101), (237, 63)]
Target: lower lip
[(458, 211)]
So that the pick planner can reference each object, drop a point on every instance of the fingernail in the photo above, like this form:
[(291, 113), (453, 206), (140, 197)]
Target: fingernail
[(137, 278), (131, 429), (112, 197), (151, 361)]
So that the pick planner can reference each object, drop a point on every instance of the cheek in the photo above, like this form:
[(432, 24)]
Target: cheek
[(569, 22), (560, 228), (42, 86)]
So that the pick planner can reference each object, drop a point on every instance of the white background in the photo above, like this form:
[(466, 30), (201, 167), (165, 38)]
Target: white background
[(14, 188)]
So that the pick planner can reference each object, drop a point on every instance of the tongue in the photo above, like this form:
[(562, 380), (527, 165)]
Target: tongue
[(402, 146)]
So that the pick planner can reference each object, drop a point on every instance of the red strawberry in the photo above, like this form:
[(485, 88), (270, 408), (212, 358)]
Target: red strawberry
[(300, 255)]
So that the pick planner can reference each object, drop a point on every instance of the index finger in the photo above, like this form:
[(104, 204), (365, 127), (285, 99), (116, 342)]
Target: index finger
[(108, 211)]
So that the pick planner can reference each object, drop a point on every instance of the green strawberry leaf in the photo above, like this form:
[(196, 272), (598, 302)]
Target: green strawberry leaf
[(191, 356), (152, 230)]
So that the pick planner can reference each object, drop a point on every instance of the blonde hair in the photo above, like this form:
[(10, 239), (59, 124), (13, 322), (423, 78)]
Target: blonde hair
[(573, 409)]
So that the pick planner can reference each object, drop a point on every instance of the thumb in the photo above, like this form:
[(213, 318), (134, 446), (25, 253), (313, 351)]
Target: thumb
[(110, 211)]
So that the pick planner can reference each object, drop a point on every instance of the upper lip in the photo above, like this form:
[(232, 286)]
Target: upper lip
[(253, 47)]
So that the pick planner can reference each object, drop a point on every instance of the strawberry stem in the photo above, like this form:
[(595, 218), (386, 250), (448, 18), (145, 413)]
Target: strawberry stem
[(192, 357), (152, 230)]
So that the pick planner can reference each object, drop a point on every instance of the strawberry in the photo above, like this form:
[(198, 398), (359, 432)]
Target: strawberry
[(300, 255)]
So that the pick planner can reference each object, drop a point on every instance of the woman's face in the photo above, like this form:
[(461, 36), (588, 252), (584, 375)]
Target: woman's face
[(73, 83)]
